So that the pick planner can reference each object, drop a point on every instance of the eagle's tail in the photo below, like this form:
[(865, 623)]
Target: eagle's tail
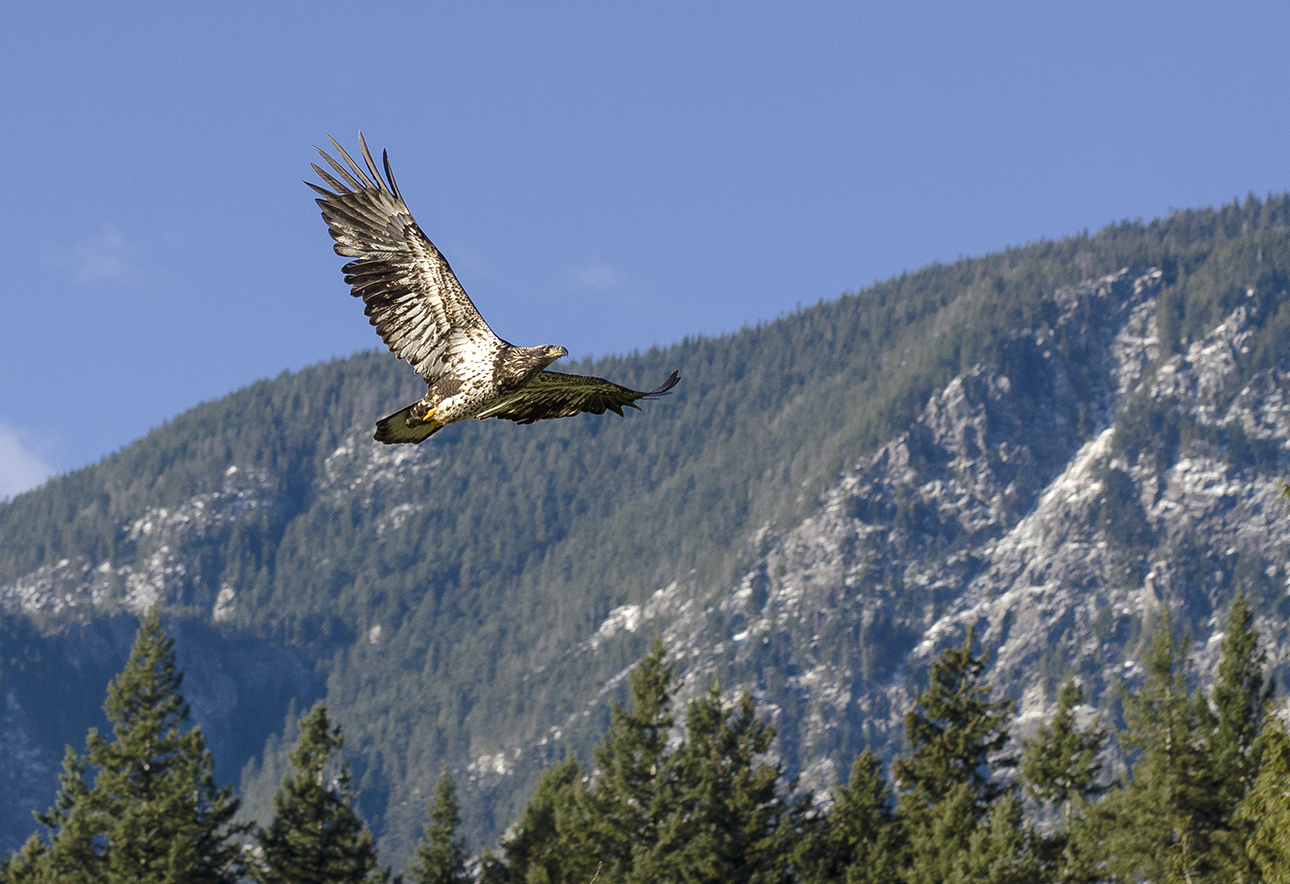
[(395, 428)]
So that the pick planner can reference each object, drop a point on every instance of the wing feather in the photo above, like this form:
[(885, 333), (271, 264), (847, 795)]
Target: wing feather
[(553, 394), (411, 295)]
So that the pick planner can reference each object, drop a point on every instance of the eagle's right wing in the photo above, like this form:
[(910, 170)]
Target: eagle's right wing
[(413, 299), (555, 394)]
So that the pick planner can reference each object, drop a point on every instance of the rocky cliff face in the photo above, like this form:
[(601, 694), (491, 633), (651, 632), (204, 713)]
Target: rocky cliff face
[(152, 561), (1022, 505)]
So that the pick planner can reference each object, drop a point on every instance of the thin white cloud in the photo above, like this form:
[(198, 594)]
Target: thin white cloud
[(106, 257), (596, 276), (21, 468)]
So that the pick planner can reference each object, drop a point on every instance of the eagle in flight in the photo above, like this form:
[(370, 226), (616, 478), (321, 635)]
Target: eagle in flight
[(424, 316)]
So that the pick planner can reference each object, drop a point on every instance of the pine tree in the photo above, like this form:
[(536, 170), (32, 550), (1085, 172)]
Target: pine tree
[(316, 836), (999, 851), (1266, 810), (1241, 698), (568, 832), (1060, 763), (25, 866), (634, 793), (548, 844), (940, 834), (153, 812), (709, 809), (735, 823), (956, 735), (441, 859), (1160, 825), (859, 840), (1061, 769), (71, 825), (953, 842)]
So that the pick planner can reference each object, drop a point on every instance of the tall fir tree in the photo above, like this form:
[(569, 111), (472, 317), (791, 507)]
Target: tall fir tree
[(999, 850), (710, 808), (569, 832), (635, 792), (152, 812), (316, 836), (1061, 768), (1060, 762), (1241, 697), (858, 841), (75, 846), (1159, 826), (441, 858), (547, 845), (956, 737), (955, 733), (737, 819), (1266, 809), (26, 865)]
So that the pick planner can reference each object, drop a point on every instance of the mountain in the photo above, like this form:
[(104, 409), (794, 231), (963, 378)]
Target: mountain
[(1047, 443)]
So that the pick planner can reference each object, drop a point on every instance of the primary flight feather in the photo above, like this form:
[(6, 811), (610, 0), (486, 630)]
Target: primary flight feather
[(424, 316)]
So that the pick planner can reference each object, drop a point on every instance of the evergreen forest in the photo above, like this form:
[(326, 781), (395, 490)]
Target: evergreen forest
[(697, 794)]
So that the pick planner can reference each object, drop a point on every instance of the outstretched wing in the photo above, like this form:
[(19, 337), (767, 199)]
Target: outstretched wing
[(555, 394), (413, 299)]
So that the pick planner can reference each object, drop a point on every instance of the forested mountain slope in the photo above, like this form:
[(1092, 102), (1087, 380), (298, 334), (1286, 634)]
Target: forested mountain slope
[(1049, 441)]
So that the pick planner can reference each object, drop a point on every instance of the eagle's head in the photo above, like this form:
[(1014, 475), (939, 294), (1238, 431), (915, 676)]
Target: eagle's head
[(515, 365), (553, 352)]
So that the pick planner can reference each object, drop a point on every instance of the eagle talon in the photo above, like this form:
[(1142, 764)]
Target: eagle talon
[(429, 414)]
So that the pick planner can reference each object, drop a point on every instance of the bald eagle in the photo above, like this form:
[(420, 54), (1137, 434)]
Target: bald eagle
[(425, 317)]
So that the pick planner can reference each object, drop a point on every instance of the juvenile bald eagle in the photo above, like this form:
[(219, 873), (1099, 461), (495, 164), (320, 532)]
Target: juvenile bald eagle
[(424, 316)]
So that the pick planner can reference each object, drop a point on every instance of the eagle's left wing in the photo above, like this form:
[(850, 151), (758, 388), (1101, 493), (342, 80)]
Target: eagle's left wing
[(555, 394), (413, 298)]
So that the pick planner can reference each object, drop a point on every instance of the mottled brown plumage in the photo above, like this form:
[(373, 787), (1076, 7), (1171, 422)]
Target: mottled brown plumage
[(424, 316)]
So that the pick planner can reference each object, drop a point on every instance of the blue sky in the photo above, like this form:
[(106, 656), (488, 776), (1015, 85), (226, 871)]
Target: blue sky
[(607, 176)]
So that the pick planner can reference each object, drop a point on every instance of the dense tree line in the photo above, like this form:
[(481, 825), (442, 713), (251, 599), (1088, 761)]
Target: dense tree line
[(1201, 797)]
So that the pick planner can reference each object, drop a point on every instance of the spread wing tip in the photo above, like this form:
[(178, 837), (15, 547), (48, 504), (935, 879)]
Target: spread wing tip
[(666, 387), (362, 182)]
